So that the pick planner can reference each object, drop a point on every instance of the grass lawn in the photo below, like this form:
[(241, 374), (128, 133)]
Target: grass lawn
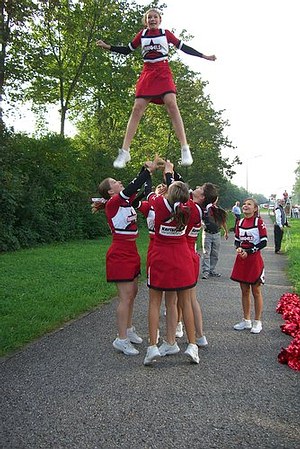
[(291, 244), (44, 287)]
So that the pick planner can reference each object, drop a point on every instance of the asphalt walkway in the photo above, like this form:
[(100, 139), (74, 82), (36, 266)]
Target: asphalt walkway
[(71, 390)]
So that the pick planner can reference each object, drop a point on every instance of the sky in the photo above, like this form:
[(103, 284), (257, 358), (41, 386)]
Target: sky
[(255, 80)]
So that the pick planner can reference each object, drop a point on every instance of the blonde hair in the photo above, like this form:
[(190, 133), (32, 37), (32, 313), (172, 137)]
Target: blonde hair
[(144, 19)]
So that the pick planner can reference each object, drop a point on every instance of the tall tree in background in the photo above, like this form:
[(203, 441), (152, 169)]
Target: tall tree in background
[(296, 187), (59, 47), (57, 50), (13, 17)]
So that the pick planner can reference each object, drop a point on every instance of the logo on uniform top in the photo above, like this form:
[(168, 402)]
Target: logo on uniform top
[(152, 47), (132, 217), (170, 231), (194, 232), (247, 237)]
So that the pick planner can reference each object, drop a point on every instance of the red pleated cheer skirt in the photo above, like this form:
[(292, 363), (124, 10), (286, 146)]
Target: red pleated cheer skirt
[(155, 81), (171, 266), (123, 262), (249, 270)]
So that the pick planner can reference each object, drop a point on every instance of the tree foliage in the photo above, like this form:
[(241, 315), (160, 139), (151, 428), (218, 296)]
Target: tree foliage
[(45, 192), (296, 188)]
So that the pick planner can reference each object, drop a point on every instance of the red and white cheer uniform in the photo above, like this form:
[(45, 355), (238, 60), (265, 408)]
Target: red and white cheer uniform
[(251, 235)]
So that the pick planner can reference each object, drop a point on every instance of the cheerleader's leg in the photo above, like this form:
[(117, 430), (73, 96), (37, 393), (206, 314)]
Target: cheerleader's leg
[(139, 107)]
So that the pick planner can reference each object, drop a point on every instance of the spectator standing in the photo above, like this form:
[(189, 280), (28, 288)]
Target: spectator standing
[(214, 219), (285, 196), (236, 210), (280, 222)]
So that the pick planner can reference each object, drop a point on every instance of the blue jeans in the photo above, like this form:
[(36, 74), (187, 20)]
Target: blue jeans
[(210, 247)]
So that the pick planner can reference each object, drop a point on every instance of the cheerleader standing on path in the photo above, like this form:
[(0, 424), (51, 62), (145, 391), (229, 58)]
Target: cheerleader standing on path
[(156, 81), (122, 258), (171, 266), (248, 269)]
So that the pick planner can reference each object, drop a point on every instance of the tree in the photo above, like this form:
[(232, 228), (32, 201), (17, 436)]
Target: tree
[(60, 49), (296, 188), (13, 17)]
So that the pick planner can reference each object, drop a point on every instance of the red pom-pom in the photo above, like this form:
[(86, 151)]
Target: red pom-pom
[(289, 307)]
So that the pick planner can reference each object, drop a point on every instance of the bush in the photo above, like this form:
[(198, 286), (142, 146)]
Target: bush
[(45, 189)]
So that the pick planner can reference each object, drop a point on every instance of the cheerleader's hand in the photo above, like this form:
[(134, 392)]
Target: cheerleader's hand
[(160, 162), (169, 167), (210, 57), (102, 44), (241, 253), (151, 166)]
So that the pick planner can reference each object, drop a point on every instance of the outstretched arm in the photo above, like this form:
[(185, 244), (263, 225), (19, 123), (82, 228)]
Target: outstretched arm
[(115, 48), (191, 51)]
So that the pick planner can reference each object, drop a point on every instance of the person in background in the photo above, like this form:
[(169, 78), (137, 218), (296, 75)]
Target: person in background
[(236, 210), (156, 81), (285, 196), (295, 211), (248, 269), (214, 220), (280, 222)]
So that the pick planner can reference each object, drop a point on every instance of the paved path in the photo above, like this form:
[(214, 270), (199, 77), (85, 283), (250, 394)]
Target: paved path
[(70, 390)]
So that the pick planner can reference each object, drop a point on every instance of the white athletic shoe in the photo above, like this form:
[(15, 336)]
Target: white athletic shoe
[(125, 346), (201, 342), (133, 336), (167, 349), (256, 327), (192, 353), (179, 329), (122, 159), (152, 354), (186, 157), (244, 324)]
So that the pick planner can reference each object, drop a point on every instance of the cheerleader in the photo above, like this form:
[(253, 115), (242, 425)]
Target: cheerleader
[(195, 203), (147, 209), (156, 81), (171, 266), (122, 258), (248, 269)]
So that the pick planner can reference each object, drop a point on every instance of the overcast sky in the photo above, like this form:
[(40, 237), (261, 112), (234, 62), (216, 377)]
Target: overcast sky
[(255, 79)]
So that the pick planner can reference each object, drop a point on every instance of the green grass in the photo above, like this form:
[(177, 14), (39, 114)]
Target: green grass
[(44, 287), (291, 244)]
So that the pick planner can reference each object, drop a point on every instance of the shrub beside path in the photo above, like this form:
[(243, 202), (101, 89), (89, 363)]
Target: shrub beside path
[(71, 390)]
